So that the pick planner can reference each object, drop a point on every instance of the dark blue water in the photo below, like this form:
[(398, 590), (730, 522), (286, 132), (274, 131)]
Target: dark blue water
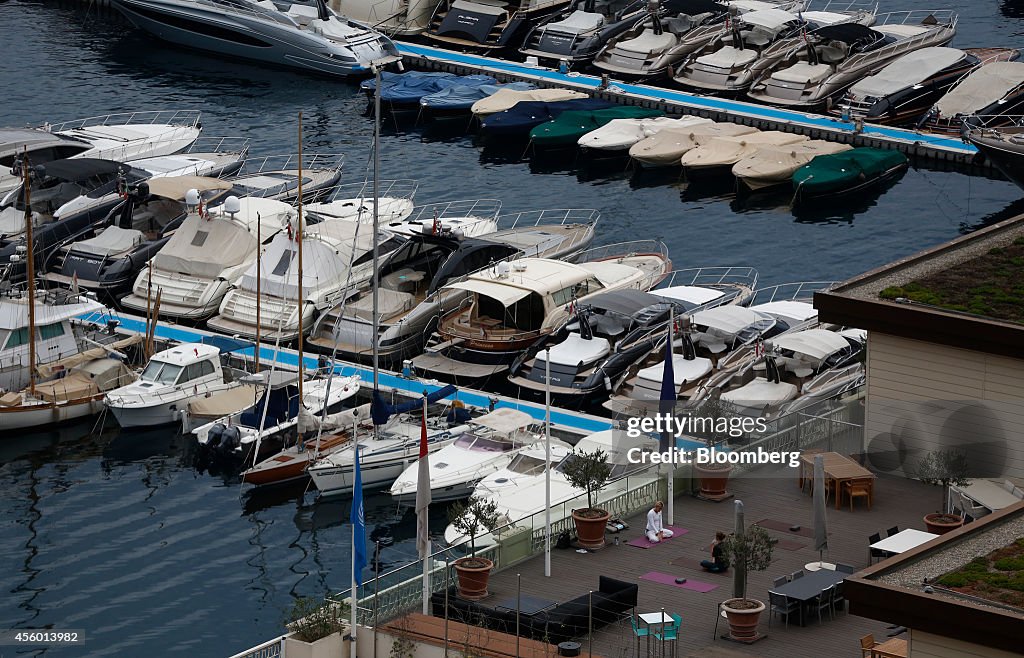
[(116, 535)]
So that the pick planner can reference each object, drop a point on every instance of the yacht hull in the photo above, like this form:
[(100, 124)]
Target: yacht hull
[(35, 416)]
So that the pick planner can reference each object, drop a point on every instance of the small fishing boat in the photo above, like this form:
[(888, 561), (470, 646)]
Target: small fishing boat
[(666, 148), (776, 165), (994, 92), (506, 98), (849, 171), (567, 128), (518, 121), (719, 154), (619, 135)]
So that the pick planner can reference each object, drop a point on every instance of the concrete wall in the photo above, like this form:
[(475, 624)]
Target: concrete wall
[(923, 397), (927, 645)]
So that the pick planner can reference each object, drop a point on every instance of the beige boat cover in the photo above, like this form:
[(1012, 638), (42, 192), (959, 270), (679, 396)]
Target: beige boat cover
[(667, 146), (225, 402), (727, 151), (175, 187), (981, 88), (47, 370), (505, 98), (204, 248), (87, 380), (775, 165)]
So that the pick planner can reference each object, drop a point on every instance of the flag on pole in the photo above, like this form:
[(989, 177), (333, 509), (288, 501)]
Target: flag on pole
[(667, 403), (423, 492), (359, 560)]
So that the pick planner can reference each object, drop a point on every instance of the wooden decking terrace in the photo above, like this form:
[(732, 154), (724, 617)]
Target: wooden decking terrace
[(766, 494)]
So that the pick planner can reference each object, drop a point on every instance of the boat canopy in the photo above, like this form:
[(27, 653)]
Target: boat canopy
[(982, 88), (625, 302), (504, 420), (506, 295), (175, 187), (225, 344), (770, 19), (848, 33), (730, 319), (80, 169), (14, 313), (815, 343), (911, 69), (110, 241), (693, 7), (381, 411), (695, 295), (14, 140)]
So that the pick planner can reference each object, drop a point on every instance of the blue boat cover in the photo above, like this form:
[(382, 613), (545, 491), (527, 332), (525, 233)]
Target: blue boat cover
[(388, 79), (225, 344), (462, 96), (410, 91), (525, 115), (381, 411)]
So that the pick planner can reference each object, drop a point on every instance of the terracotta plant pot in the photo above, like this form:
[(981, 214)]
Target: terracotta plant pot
[(473, 574), (940, 524), (713, 479), (743, 622), (590, 527)]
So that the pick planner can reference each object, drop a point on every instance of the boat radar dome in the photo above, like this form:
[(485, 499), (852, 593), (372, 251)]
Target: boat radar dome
[(232, 205), (502, 269), (192, 198)]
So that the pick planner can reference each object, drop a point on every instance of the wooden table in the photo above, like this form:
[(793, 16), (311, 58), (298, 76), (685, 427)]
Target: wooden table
[(839, 469), (894, 648)]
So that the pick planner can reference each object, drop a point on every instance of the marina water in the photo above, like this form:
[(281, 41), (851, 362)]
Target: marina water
[(115, 534)]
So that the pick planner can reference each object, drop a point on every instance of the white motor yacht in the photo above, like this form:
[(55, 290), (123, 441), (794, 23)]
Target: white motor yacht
[(489, 445)]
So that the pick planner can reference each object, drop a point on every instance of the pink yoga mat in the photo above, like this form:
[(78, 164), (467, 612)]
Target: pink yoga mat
[(669, 579), (643, 542)]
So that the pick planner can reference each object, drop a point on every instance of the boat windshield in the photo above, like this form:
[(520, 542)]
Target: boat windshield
[(470, 441), (160, 372), (527, 465)]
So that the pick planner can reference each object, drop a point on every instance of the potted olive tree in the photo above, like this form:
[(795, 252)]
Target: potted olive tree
[(317, 629), (713, 477), (747, 550), (589, 471), (945, 468), (473, 519)]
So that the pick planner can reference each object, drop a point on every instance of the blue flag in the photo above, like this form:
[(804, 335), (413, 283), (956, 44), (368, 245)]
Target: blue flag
[(668, 393), (359, 560)]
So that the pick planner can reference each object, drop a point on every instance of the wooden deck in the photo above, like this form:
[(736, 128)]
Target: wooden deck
[(766, 494)]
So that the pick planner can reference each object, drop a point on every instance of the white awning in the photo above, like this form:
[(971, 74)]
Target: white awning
[(729, 319), (815, 343), (771, 19), (505, 420), (505, 294)]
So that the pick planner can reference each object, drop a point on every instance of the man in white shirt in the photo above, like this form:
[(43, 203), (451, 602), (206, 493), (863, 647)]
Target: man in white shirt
[(656, 531)]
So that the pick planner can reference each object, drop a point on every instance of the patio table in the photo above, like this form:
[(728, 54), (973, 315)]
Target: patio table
[(903, 541), (807, 588)]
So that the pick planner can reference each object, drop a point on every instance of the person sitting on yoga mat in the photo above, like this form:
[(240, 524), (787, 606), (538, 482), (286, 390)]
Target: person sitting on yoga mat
[(656, 531), (717, 563)]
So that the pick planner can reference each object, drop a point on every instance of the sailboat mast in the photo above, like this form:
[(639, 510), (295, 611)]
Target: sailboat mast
[(298, 243), (376, 222), (31, 273), (259, 277)]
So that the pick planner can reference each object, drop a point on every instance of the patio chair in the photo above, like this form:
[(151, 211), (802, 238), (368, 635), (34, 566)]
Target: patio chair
[(867, 644), (856, 489), (892, 531), (639, 632), (799, 573), (876, 552), (845, 568), (838, 600), (972, 509), (783, 605), (824, 602), (670, 633), (780, 581)]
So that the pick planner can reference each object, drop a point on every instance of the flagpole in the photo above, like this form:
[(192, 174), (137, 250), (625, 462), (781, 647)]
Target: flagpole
[(547, 456), (357, 482), (672, 464), (424, 554)]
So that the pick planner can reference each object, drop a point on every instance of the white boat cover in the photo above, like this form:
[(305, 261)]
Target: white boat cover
[(722, 151), (14, 313), (620, 134), (175, 187), (667, 147), (776, 164), (907, 71), (803, 73), (504, 420), (506, 295), (648, 42), (726, 320), (389, 304), (981, 88), (788, 310), (814, 343), (575, 349), (506, 98), (683, 370), (823, 18), (728, 57), (610, 274), (226, 402), (770, 19), (761, 392), (111, 240), (576, 23), (903, 31), (693, 294)]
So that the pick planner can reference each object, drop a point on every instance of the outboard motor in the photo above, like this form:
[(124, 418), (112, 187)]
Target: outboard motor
[(232, 438), (215, 436)]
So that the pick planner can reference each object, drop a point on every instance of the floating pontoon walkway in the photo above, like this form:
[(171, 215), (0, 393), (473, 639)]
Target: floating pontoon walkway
[(928, 146), (389, 381)]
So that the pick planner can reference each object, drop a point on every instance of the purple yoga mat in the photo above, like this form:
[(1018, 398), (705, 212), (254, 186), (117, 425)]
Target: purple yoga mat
[(643, 542), (669, 579)]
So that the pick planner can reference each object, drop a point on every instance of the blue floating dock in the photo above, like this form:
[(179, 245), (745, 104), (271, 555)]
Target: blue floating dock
[(940, 148)]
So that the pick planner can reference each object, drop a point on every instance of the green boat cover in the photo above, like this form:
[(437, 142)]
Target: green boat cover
[(839, 172), (567, 129)]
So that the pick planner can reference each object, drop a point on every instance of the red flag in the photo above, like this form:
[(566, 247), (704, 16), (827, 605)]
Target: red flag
[(423, 492)]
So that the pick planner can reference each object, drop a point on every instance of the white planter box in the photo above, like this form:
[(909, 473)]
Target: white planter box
[(332, 646)]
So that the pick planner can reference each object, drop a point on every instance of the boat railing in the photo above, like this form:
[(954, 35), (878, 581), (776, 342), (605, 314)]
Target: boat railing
[(247, 9), (711, 276), (182, 118), (994, 122), (214, 144), (288, 162), (386, 189), (948, 22), (624, 250), (802, 291), (551, 216), (480, 208)]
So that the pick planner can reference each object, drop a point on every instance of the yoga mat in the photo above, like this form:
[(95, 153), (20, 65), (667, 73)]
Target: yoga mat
[(643, 542), (790, 545), (669, 579), (782, 526)]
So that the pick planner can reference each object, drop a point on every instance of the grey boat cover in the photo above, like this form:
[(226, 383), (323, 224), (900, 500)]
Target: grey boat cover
[(463, 96), (909, 70), (204, 248), (981, 88), (112, 240)]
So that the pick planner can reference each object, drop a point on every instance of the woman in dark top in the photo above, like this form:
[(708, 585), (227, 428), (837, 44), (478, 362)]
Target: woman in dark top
[(717, 563)]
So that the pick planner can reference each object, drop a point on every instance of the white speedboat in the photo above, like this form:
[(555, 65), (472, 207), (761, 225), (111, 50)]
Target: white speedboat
[(620, 135), (197, 266), (489, 445), (168, 382), (120, 137), (666, 148), (354, 202), (524, 501), (338, 259), (305, 35)]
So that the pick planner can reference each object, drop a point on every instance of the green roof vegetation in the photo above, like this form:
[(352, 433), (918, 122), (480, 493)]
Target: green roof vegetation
[(991, 285), (998, 577)]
